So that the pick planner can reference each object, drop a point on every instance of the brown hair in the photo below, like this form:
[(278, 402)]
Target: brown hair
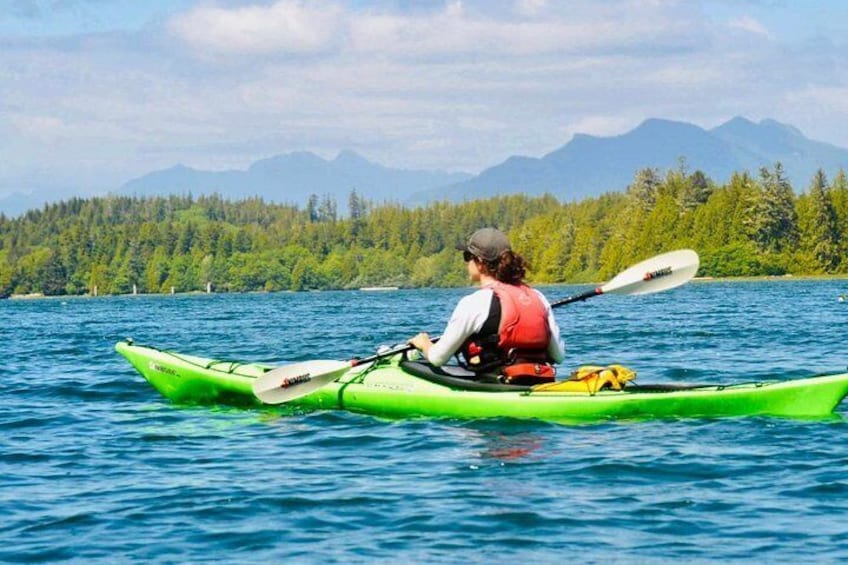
[(509, 267)]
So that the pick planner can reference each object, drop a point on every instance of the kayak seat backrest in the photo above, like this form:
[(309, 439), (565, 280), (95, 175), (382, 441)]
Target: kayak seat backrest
[(459, 378)]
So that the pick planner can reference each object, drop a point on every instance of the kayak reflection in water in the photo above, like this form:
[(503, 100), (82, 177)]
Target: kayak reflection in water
[(505, 327)]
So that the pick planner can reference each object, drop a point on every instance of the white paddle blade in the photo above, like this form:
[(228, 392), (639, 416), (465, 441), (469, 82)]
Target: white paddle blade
[(655, 274), (294, 381)]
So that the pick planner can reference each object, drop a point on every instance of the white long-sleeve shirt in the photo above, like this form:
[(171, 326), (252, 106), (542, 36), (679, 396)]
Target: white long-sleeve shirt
[(468, 318)]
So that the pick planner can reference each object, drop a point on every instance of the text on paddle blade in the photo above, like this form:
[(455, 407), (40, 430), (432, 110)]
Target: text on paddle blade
[(296, 380), (657, 274)]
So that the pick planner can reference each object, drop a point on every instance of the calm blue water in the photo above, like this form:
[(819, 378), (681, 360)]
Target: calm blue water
[(97, 467)]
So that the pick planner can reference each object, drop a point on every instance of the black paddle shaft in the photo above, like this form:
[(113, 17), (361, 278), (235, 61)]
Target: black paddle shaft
[(578, 297), (383, 355)]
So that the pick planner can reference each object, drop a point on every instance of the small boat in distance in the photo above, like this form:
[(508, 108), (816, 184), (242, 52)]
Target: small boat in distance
[(377, 288)]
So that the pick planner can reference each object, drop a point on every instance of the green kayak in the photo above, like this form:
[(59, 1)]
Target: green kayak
[(397, 387)]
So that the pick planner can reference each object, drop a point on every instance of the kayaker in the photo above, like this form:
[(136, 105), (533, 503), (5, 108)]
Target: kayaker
[(505, 327)]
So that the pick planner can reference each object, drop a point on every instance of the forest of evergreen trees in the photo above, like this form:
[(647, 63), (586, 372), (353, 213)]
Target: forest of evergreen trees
[(752, 225)]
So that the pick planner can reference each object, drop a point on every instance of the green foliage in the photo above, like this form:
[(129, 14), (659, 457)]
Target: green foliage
[(743, 228), (771, 216), (6, 271), (819, 242), (740, 259)]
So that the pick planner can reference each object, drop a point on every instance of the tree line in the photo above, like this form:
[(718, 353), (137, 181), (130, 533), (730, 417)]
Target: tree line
[(751, 225)]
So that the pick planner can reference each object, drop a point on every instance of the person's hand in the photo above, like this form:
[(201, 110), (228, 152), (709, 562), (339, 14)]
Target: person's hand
[(421, 342)]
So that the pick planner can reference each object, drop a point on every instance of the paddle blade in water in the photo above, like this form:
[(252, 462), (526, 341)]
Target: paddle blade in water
[(294, 381)]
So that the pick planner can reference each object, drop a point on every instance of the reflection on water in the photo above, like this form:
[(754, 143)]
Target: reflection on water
[(511, 447)]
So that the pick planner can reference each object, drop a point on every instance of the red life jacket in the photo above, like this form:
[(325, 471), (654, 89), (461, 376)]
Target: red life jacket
[(524, 319), (522, 332)]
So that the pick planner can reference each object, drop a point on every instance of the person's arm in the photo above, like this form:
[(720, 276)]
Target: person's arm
[(556, 347), (467, 319)]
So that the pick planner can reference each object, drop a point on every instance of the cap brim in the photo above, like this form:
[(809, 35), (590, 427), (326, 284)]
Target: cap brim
[(461, 247)]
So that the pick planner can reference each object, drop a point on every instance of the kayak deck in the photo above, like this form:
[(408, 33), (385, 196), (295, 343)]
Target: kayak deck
[(387, 390)]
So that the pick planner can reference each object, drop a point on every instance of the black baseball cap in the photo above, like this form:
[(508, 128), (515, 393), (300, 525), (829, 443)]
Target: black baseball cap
[(486, 244)]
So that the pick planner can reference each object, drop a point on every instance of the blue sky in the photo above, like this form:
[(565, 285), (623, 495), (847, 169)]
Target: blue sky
[(96, 92), (44, 18)]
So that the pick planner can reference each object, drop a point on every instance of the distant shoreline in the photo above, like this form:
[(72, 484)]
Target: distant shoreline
[(707, 280), (843, 276)]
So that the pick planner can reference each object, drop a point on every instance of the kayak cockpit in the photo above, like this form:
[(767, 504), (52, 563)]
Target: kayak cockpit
[(458, 378)]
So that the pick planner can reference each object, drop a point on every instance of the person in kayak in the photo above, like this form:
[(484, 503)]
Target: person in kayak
[(505, 327)]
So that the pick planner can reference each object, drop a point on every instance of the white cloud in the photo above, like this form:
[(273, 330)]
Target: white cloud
[(825, 97), (37, 127), (447, 85), (285, 26), (530, 8), (456, 32), (601, 125), (750, 25), (292, 27), (686, 76)]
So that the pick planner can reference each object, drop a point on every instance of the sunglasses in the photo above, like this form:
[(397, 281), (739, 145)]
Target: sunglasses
[(468, 256)]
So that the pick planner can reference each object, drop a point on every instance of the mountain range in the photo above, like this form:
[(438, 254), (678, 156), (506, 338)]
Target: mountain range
[(585, 166), (293, 177), (589, 166)]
